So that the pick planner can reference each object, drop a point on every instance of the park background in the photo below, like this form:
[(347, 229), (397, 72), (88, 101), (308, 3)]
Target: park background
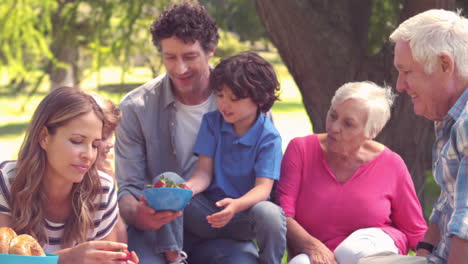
[(315, 46)]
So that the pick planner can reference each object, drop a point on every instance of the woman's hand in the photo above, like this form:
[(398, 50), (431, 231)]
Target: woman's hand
[(99, 252), (223, 217), (133, 259), (321, 255)]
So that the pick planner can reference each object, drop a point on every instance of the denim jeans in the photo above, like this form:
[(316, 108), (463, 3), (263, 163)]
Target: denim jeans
[(215, 251), (264, 221), (219, 251), (151, 245)]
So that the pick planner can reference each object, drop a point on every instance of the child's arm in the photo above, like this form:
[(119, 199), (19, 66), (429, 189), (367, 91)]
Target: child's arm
[(202, 176), (260, 192)]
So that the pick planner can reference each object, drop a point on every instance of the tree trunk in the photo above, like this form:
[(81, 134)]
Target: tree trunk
[(324, 45), (63, 70)]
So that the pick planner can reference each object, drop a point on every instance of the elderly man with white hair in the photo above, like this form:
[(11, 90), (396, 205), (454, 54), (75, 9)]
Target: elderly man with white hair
[(345, 195), (431, 56)]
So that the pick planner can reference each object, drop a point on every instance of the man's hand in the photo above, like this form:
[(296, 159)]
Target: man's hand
[(146, 218)]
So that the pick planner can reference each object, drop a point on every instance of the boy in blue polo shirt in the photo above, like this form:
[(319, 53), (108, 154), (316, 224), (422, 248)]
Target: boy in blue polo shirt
[(240, 154)]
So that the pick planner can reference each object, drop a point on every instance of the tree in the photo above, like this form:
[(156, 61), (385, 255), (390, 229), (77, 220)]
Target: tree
[(325, 44), (60, 38), (237, 16)]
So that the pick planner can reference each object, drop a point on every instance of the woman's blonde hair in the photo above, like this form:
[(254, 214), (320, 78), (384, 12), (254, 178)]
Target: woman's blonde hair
[(27, 192)]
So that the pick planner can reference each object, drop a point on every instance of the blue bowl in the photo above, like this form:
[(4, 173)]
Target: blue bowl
[(19, 259), (163, 199)]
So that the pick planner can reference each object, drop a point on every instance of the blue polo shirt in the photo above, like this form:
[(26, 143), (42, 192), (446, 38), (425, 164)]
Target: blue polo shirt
[(238, 160)]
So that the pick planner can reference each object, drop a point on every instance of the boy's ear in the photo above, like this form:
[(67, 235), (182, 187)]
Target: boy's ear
[(44, 138), (211, 52)]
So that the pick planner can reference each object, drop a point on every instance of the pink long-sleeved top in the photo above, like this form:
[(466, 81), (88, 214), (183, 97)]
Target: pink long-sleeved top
[(379, 194)]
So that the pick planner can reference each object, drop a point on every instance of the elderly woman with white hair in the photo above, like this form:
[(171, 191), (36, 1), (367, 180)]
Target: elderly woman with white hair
[(345, 195)]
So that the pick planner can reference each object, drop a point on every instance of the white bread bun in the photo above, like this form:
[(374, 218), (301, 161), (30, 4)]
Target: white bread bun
[(6, 235)]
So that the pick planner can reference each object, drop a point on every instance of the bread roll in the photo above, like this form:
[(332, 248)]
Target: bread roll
[(25, 245), (6, 235)]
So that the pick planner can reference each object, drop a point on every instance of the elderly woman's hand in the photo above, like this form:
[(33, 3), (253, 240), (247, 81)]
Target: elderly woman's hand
[(322, 255)]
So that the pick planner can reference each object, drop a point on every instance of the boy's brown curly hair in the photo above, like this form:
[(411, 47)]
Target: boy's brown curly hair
[(247, 75), (187, 21)]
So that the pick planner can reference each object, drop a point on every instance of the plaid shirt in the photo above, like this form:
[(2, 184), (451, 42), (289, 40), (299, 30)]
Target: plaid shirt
[(449, 156)]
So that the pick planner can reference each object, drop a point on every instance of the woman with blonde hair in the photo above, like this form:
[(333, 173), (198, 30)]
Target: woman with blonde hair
[(54, 192), (345, 195)]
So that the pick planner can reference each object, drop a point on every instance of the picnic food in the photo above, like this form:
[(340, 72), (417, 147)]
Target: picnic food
[(128, 257), (6, 235), (164, 182), (24, 244), (166, 195)]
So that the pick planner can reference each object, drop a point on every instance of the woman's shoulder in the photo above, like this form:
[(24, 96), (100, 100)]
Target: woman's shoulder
[(7, 166), (106, 179), (306, 144), (7, 171), (313, 138), (387, 156), (107, 183), (380, 149), (374, 150)]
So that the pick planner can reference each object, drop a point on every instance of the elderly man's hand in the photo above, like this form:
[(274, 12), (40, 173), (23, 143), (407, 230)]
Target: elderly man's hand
[(146, 218)]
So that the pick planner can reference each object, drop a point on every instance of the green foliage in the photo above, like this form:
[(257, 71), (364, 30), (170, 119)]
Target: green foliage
[(40, 34), (229, 44), (239, 16), (384, 18), (431, 193), (23, 41)]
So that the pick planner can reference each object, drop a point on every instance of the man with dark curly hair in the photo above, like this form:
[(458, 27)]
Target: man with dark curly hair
[(160, 122)]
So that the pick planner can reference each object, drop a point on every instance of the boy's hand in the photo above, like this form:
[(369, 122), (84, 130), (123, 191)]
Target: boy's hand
[(223, 217), (189, 185)]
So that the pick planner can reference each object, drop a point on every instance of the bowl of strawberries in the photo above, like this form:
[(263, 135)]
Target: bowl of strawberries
[(166, 195)]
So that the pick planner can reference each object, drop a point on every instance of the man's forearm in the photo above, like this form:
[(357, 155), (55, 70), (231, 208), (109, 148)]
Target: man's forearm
[(432, 237), (458, 251), (127, 207)]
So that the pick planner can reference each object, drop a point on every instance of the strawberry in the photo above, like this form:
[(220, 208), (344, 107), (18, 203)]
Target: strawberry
[(159, 184), (128, 257), (183, 186), (164, 182)]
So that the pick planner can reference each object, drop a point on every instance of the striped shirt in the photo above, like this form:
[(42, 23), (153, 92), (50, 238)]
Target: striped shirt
[(449, 156), (105, 217)]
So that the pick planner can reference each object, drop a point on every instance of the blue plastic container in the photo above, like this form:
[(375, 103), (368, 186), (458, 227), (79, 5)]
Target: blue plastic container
[(19, 259), (162, 199)]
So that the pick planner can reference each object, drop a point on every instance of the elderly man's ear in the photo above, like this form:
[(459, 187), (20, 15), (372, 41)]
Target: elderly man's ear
[(446, 63)]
